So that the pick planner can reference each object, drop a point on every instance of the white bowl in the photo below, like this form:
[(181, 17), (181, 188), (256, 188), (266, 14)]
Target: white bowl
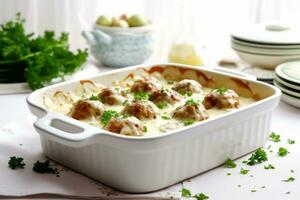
[(265, 61)]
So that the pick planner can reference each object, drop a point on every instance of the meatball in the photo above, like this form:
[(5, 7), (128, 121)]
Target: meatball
[(86, 109), (125, 126), (194, 112), (149, 84), (141, 110), (165, 95), (111, 96), (187, 86), (221, 98)]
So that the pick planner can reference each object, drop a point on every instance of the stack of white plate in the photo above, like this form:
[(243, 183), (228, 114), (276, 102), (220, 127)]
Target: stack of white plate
[(266, 46), (287, 78)]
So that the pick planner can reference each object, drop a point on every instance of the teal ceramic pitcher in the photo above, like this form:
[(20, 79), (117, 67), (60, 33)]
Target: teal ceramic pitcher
[(121, 47)]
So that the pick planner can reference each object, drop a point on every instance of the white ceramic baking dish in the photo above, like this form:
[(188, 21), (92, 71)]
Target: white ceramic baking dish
[(144, 164)]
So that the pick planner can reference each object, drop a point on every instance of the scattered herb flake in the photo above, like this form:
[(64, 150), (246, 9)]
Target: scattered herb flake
[(289, 179), (291, 141), (222, 90), (239, 185), (191, 102), (107, 115), (162, 105), (145, 129), (274, 137), (263, 187), (200, 196), (188, 122), (292, 171), (229, 163), (141, 96), (165, 117), (44, 167), (185, 192), (269, 147), (16, 162), (94, 98), (282, 152), (288, 193), (170, 82), (244, 171), (125, 102), (253, 190), (258, 156), (269, 166), (228, 174)]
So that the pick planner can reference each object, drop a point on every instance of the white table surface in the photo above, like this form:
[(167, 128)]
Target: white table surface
[(285, 120)]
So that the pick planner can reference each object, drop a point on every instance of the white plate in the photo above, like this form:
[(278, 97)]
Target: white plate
[(286, 90), (291, 100), (257, 50), (289, 71), (287, 84), (265, 46)]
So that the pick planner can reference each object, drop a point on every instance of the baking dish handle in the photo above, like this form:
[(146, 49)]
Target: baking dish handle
[(233, 72), (63, 130)]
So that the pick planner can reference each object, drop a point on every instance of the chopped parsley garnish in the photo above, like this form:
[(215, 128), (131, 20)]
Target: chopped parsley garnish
[(229, 163), (282, 152), (258, 156), (44, 167), (183, 92), (191, 102), (16, 162), (291, 141), (244, 171), (200, 196), (222, 90), (289, 179), (274, 137), (125, 102), (165, 117), (162, 105), (107, 115), (145, 129), (124, 116), (188, 122), (141, 95), (269, 166), (94, 98), (170, 82), (185, 192)]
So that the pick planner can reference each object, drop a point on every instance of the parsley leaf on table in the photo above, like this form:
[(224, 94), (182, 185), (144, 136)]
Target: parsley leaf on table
[(200, 196), (258, 156), (244, 171), (16, 162), (290, 141), (185, 192), (229, 163), (289, 179), (269, 166), (274, 137), (44, 167), (282, 152)]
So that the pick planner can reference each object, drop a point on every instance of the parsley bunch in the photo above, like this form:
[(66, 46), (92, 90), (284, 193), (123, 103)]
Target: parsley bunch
[(16, 162), (38, 60)]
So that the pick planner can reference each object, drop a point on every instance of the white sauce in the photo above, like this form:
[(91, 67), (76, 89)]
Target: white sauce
[(63, 102)]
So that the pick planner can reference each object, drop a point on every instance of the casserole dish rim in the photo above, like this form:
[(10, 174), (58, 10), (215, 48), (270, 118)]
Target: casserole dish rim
[(100, 131)]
